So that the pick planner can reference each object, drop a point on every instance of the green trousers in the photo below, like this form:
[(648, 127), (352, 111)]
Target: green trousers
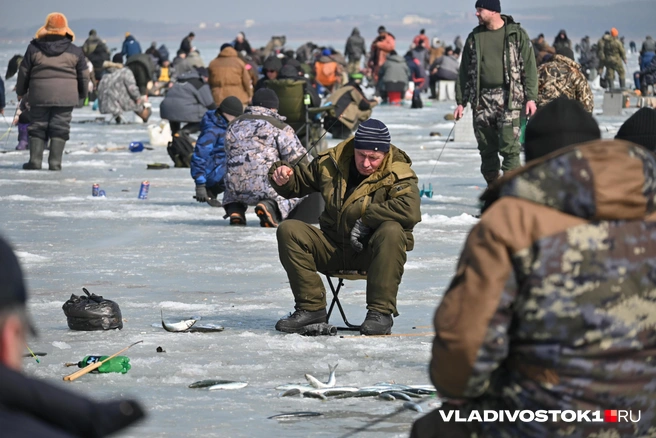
[(305, 251), (497, 132), (613, 66)]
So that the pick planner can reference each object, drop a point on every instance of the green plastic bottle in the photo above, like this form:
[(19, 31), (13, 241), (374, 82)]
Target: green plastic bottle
[(118, 364)]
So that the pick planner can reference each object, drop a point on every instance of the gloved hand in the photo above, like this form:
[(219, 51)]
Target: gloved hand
[(201, 193), (359, 235)]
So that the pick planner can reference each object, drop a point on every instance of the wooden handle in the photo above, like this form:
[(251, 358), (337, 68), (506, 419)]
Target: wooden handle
[(93, 366)]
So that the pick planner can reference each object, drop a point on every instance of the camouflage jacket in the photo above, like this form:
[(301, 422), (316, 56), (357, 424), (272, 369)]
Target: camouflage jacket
[(389, 194), (562, 77), (553, 303), (118, 91), (253, 142), (613, 50), (520, 71)]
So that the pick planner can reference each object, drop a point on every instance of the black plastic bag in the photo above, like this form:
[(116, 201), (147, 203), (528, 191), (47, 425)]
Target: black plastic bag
[(92, 312)]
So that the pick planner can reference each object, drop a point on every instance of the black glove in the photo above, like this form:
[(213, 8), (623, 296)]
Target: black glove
[(359, 235), (201, 193)]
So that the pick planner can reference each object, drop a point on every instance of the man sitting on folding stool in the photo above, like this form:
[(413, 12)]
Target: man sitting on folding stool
[(372, 205)]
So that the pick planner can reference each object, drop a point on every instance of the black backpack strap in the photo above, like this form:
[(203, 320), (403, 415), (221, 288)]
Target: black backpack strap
[(275, 122)]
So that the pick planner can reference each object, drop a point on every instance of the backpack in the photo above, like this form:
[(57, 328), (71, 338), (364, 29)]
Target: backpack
[(181, 148)]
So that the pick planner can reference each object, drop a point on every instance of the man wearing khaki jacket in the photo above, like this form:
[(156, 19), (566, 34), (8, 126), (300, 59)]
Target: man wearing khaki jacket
[(372, 205), (552, 306)]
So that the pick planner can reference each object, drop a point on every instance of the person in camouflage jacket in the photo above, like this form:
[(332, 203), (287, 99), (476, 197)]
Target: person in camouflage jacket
[(562, 76), (497, 108), (253, 142), (118, 92), (552, 305), (614, 58)]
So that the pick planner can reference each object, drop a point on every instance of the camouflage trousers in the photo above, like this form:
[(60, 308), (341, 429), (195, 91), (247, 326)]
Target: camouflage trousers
[(497, 132), (611, 68)]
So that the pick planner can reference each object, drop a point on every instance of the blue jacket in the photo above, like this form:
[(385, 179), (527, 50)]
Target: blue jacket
[(208, 162), (130, 47)]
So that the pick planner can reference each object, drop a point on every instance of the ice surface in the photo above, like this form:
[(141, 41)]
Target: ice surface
[(171, 253)]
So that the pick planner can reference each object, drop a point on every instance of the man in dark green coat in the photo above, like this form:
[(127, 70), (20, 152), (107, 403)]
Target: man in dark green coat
[(498, 78), (372, 205)]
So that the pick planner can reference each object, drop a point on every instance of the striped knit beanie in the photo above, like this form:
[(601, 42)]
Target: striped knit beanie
[(372, 135)]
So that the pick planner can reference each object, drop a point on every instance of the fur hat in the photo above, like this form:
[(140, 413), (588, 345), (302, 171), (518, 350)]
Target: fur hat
[(560, 123), (56, 24), (640, 128)]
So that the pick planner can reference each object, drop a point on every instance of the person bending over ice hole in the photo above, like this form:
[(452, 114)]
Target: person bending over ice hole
[(372, 205), (208, 162), (254, 141)]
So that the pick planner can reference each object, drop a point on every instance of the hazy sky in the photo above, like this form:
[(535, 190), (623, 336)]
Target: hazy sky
[(25, 13)]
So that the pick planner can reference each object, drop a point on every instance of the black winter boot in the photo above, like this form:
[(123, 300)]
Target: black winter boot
[(56, 152), (376, 323), (37, 146), (295, 322), (268, 213)]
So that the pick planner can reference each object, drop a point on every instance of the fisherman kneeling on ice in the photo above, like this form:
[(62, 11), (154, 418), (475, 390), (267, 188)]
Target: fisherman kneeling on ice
[(372, 205)]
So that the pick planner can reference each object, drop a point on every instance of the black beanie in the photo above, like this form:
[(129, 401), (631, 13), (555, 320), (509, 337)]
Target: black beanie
[(266, 98), (223, 46), (231, 105), (272, 63), (372, 135), (117, 58), (288, 72), (490, 5), (560, 123), (640, 129)]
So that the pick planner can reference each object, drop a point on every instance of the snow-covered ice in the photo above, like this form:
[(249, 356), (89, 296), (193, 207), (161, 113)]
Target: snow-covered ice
[(169, 252)]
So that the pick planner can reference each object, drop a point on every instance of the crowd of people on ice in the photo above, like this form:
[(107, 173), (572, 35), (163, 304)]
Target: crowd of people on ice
[(552, 304)]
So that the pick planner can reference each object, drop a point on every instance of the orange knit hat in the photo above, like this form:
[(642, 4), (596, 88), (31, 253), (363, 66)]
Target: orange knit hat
[(614, 32), (56, 24)]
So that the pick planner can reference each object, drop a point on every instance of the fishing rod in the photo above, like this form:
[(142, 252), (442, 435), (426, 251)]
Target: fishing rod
[(10, 124), (316, 142), (443, 147), (95, 365)]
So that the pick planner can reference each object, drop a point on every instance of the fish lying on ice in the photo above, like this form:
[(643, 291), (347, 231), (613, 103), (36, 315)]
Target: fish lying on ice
[(177, 326), (228, 385), (318, 384), (294, 415), (208, 383)]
